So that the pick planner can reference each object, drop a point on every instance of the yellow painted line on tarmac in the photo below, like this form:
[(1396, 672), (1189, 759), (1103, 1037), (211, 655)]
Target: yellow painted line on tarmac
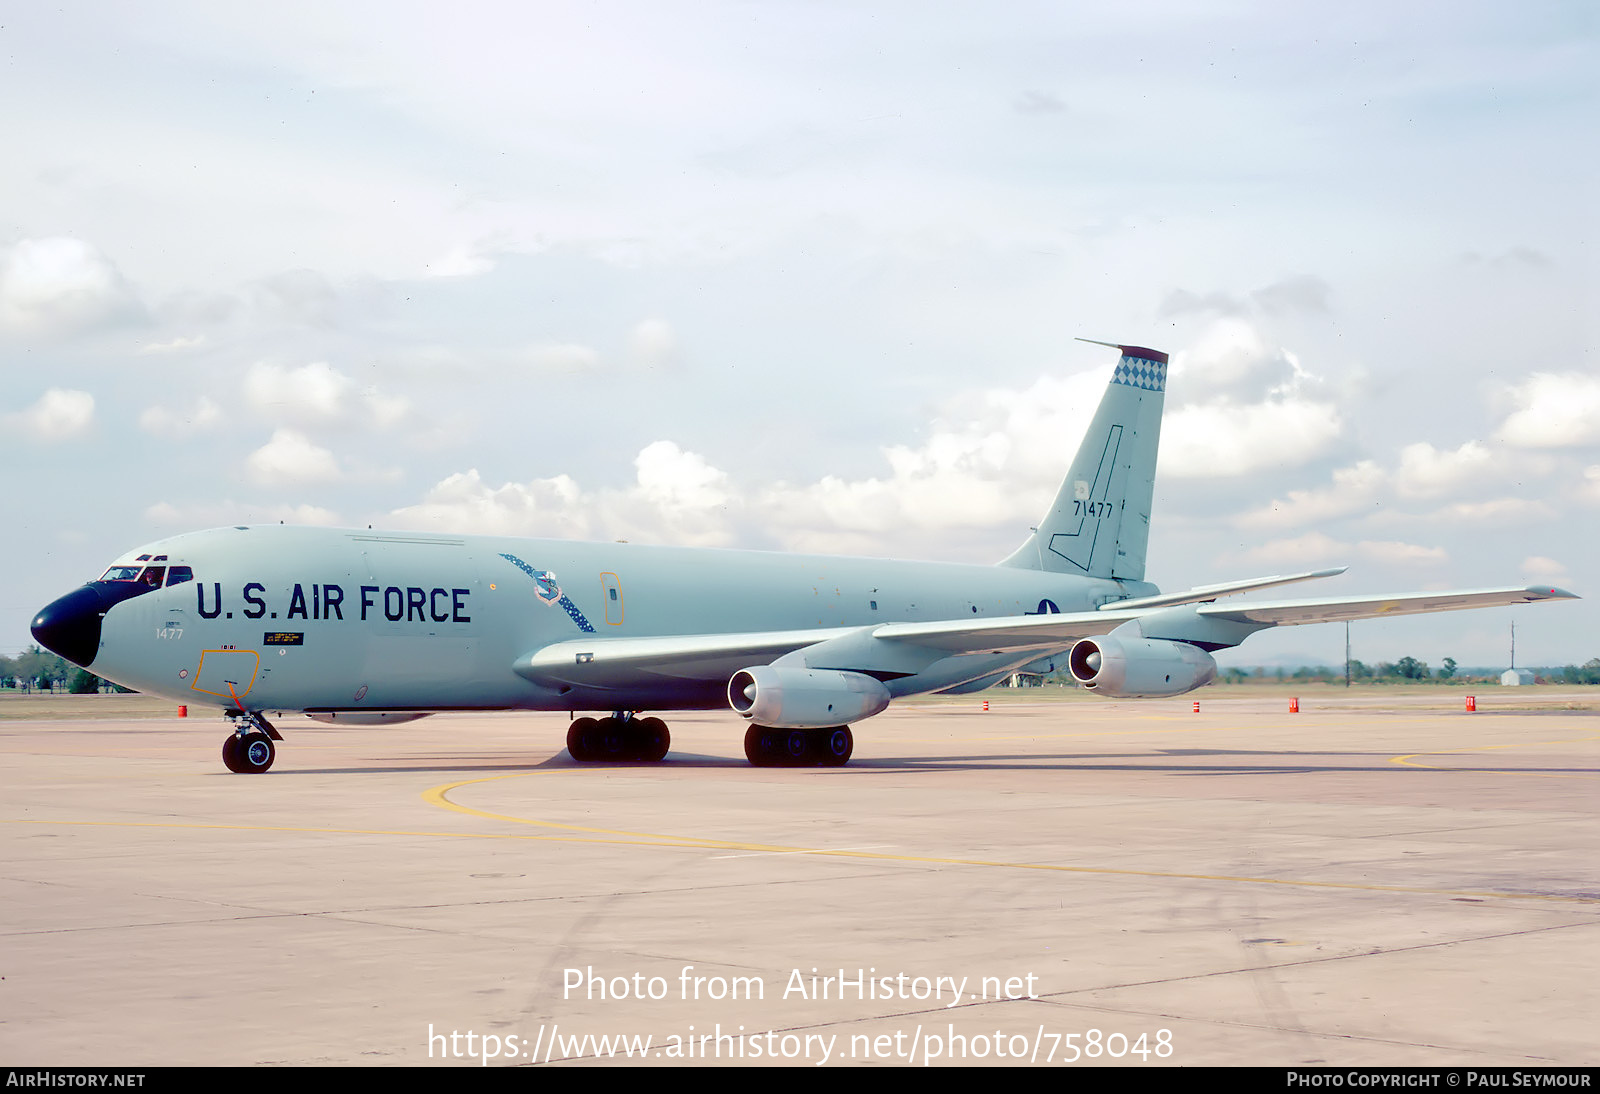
[(1408, 760), (438, 795), (318, 831)]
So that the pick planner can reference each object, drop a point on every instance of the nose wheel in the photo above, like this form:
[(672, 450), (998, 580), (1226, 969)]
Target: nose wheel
[(249, 749), (620, 738)]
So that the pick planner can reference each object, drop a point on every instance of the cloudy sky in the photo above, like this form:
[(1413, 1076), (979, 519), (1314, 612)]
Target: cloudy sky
[(805, 276)]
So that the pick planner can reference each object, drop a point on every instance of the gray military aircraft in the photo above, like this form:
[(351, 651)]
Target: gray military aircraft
[(372, 627)]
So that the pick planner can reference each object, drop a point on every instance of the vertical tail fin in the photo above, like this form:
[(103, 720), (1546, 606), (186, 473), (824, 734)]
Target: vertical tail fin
[(1099, 524)]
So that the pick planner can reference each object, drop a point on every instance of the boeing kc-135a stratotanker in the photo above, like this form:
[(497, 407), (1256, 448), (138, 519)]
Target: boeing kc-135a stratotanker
[(374, 627)]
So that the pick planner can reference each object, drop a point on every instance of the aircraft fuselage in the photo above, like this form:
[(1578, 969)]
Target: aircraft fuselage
[(319, 620)]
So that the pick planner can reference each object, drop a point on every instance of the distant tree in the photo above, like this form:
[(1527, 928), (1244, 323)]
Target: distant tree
[(1410, 668), (1449, 669), (37, 665), (1589, 673), (84, 682)]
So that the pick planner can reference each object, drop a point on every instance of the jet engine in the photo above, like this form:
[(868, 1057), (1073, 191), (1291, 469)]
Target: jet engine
[(1132, 667), (788, 697)]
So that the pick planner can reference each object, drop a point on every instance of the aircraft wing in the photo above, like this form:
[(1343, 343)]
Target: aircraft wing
[(606, 662), (1004, 633), (1284, 613)]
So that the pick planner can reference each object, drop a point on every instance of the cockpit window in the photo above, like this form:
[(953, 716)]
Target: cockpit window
[(152, 576)]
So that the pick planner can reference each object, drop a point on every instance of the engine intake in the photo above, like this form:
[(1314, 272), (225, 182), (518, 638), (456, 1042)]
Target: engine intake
[(1132, 667), (787, 697)]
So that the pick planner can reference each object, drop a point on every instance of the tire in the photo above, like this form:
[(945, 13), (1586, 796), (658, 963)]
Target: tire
[(232, 748), (758, 746), (256, 753), (612, 738), (651, 739), (837, 744), (796, 747), (581, 736)]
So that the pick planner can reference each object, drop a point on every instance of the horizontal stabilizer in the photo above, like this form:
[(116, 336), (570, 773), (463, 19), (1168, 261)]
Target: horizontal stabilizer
[(1201, 593)]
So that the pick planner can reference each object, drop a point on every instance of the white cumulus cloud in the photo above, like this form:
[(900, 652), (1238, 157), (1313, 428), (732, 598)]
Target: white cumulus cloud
[(653, 344), (59, 414), (60, 286), (1542, 569), (290, 459), (1249, 406), (1554, 410), (316, 391), (204, 415), (1426, 471), (1394, 552), (1220, 439), (1354, 490)]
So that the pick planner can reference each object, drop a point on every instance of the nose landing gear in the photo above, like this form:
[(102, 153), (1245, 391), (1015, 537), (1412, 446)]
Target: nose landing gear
[(249, 749)]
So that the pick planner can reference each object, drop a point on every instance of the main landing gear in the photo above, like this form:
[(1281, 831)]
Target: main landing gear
[(249, 750), (766, 747), (621, 737)]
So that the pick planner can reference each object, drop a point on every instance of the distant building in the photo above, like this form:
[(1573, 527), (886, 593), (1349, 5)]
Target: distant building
[(1515, 678)]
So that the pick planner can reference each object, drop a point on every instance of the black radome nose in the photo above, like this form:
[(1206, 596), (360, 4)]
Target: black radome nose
[(70, 626)]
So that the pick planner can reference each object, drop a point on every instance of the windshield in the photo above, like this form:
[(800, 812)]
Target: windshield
[(150, 575)]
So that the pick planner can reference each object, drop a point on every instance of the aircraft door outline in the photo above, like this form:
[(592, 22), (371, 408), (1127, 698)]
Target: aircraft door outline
[(226, 672), (611, 588)]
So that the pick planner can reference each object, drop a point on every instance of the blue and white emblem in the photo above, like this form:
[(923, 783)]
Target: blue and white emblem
[(546, 589)]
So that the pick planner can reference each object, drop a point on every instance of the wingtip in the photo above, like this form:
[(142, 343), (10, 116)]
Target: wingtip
[(1551, 592)]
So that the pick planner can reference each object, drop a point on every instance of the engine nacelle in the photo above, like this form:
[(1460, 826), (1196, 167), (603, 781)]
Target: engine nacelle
[(789, 697), (1131, 667)]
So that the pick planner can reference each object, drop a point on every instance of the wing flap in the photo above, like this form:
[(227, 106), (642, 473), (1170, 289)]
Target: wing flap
[(1000, 634), (610, 662)]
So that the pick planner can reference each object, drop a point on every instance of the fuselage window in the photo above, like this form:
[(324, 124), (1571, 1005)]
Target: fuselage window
[(179, 574)]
